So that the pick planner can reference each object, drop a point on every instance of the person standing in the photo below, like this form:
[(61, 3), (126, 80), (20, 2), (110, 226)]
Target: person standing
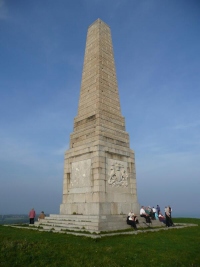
[(32, 216), (168, 217), (170, 213), (158, 209)]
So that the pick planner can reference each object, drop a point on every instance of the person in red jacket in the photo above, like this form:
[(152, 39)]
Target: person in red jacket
[(32, 216)]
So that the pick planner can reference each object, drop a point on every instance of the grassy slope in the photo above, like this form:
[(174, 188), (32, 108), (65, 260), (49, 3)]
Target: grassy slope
[(176, 247)]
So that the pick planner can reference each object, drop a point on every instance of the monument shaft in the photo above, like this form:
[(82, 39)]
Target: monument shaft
[(99, 168)]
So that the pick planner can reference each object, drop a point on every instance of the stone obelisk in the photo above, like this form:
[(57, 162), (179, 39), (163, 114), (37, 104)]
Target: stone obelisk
[(99, 168)]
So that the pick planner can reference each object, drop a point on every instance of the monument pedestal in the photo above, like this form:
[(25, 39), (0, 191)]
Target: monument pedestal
[(99, 180), (92, 224)]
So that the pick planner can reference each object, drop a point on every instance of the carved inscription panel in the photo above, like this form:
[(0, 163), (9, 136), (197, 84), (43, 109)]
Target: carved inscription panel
[(80, 176), (117, 173)]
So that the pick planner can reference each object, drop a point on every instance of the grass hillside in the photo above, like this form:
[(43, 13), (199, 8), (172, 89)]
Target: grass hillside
[(175, 247)]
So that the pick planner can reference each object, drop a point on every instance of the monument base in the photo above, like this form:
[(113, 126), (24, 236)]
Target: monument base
[(99, 180), (92, 224)]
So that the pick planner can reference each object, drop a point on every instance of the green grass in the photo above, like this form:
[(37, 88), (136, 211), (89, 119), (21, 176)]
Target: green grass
[(175, 247)]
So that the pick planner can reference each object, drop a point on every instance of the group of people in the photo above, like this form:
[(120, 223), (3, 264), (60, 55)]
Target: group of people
[(151, 214), (32, 215), (156, 214)]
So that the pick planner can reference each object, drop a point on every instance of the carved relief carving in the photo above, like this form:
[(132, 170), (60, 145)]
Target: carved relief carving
[(81, 174), (118, 175)]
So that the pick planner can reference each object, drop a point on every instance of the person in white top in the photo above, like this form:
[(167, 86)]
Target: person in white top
[(142, 211), (154, 211), (145, 215), (131, 213), (131, 220)]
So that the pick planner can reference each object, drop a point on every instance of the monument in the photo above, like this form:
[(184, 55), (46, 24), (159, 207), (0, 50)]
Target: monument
[(99, 168), (99, 185)]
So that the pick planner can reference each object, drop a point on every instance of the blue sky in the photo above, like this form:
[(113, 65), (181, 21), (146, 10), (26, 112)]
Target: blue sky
[(157, 56)]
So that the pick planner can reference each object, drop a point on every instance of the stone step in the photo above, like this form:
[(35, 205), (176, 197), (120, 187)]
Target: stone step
[(74, 217), (66, 228), (47, 224), (155, 223), (69, 222)]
